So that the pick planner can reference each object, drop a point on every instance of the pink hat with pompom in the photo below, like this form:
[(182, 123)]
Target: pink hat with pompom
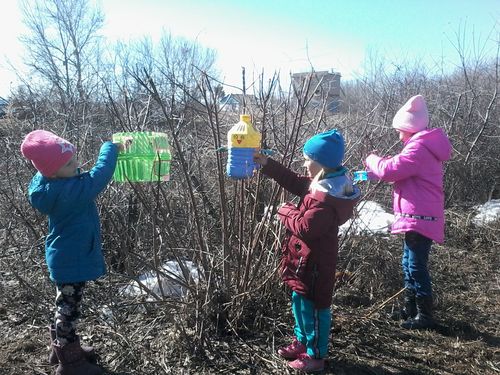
[(413, 116), (47, 152)]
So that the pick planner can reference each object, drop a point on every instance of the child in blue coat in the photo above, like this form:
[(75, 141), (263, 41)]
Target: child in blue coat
[(73, 245)]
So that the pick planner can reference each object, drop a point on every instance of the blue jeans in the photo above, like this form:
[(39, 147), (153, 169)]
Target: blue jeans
[(312, 326), (415, 258)]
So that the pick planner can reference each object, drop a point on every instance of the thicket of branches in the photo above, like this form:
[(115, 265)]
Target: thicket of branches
[(85, 92)]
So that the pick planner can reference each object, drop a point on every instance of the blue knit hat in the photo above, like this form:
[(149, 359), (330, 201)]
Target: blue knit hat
[(326, 148)]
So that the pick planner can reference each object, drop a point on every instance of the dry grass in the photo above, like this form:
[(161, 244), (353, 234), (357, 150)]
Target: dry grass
[(233, 321), (152, 338)]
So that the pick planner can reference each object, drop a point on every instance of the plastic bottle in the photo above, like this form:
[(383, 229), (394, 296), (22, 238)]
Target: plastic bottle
[(359, 176), (146, 160), (242, 140)]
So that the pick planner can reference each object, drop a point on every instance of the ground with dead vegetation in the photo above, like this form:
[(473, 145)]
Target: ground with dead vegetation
[(145, 338)]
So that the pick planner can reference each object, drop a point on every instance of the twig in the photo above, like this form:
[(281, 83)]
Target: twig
[(383, 304)]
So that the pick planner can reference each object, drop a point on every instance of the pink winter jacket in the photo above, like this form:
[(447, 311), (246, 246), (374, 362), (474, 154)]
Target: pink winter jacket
[(417, 173)]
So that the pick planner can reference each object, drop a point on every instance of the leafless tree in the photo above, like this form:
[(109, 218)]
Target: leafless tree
[(62, 45)]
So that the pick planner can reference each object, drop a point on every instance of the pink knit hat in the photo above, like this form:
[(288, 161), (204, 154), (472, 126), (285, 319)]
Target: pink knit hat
[(47, 152), (412, 117)]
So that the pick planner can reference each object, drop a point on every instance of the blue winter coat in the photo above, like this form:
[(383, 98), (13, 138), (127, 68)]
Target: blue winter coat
[(73, 246)]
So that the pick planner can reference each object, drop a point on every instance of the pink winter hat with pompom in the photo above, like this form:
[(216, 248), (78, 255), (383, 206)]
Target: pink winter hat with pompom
[(413, 116), (47, 152)]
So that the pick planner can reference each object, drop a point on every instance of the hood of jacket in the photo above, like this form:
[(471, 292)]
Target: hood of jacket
[(338, 192), (43, 193), (435, 140)]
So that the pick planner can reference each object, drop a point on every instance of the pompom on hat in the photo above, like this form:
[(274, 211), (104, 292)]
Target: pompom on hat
[(413, 116), (47, 151), (326, 148)]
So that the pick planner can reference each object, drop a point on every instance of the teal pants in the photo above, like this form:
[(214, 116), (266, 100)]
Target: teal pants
[(312, 326)]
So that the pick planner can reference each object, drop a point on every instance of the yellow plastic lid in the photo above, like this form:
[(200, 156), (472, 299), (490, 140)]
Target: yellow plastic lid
[(243, 134)]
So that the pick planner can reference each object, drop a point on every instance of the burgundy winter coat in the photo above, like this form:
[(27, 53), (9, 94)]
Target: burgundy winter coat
[(310, 247)]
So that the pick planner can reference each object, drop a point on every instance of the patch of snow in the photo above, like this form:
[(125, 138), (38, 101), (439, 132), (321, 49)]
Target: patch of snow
[(171, 280), (487, 213), (106, 313), (369, 218)]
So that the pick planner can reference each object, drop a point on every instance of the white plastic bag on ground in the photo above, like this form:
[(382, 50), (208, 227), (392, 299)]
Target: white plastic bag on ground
[(171, 279)]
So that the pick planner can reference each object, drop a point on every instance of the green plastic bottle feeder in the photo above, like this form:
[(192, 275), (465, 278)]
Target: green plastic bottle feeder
[(146, 159)]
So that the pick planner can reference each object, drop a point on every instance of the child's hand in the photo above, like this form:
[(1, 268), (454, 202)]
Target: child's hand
[(123, 146), (120, 146), (259, 158)]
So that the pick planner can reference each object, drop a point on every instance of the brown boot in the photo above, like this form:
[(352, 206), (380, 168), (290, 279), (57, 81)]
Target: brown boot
[(89, 351), (72, 360)]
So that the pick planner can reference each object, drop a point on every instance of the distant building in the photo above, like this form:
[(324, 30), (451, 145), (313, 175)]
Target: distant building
[(3, 107), (234, 102), (326, 85)]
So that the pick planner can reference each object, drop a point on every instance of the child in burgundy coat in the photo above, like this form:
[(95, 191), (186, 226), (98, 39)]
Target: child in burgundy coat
[(327, 198)]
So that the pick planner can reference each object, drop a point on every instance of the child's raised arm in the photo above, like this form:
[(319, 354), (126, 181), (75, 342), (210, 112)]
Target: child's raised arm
[(90, 184), (293, 182)]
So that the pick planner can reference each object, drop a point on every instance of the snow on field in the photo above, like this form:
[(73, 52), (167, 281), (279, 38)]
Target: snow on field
[(487, 213), (171, 282), (369, 218)]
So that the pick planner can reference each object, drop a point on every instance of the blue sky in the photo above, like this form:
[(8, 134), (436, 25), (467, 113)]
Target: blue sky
[(293, 35)]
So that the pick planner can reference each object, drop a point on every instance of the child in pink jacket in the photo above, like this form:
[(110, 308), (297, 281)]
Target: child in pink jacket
[(417, 174)]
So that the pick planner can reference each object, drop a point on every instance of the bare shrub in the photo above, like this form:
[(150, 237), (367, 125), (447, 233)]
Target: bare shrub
[(204, 217)]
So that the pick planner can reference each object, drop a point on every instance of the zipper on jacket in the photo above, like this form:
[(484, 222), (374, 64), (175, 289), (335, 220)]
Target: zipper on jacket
[(299, 266), (313, 281), (399, 201)]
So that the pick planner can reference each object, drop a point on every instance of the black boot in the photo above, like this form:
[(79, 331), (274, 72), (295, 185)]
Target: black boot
[(409, 310), (424, 319)]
